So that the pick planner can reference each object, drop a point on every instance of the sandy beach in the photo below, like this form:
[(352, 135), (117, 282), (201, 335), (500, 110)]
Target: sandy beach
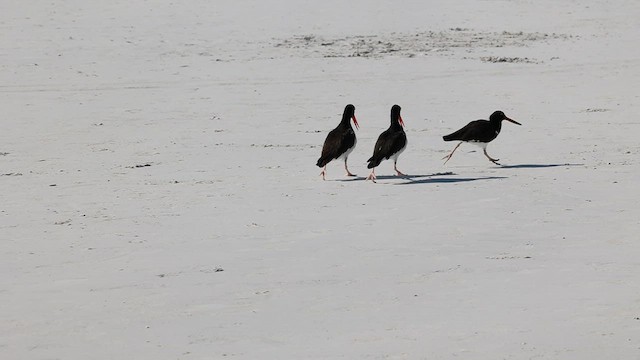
[(160, 198)]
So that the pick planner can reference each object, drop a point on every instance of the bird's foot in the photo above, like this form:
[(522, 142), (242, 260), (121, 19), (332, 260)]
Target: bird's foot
[(347, 169), (322, 174), (398, 173), (495, 161), (371, 177)]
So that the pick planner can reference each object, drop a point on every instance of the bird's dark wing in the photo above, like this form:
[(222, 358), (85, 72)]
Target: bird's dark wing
[(389, 143), (337, 143), (478, 130)]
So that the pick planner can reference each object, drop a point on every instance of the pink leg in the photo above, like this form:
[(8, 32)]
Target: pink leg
[(345, 167), (372, 176), (324, 170), (451, 154), (495, 161), (397, 171)]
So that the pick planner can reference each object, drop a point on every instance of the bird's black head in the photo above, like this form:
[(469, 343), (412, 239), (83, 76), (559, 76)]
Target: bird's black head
[(349, 114), (349, 110), (498, 116), (395, 115)]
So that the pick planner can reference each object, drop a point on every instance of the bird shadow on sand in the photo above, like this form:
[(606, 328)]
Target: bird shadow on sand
[(450, 180), (391, 177), (533, 166)]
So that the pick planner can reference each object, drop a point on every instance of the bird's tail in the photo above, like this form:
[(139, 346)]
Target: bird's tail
[(373, 162), (456, 135), (321, 162)]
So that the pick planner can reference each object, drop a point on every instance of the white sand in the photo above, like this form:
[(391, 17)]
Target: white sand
[(229, 245)]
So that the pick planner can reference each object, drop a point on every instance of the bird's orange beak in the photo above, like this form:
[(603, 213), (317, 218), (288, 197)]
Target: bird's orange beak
[(401, 121), (513, 121), (355, 122)]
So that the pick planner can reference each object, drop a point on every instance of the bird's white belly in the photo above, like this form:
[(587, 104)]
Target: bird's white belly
[(482, 145), (345, 154), (395, 156)]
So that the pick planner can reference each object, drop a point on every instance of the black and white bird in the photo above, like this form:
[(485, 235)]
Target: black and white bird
[(479, 132), (391, 143), (340, 141)]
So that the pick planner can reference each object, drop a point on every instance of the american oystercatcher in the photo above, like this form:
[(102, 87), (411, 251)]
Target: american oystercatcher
[(479, 132), (340, 142), (391, 143)]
